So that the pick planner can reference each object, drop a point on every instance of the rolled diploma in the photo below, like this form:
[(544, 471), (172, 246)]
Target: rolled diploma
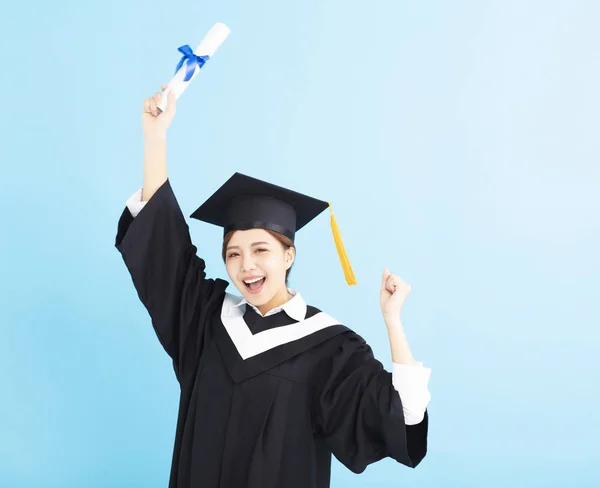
[(211, 42)]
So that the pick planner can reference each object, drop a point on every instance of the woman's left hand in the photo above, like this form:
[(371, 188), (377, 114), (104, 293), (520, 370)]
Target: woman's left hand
[(393, 294)]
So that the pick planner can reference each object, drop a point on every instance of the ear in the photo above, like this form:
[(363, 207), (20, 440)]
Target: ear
[(290, 255)]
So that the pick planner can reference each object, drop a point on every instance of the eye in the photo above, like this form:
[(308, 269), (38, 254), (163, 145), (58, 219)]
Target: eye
[(233, 254), (261, 250)]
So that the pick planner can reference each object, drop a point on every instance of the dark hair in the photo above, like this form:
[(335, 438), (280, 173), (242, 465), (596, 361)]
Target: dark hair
[(285, 242)]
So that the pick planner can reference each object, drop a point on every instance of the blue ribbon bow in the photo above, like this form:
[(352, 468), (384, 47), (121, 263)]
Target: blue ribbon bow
[(192, 60)]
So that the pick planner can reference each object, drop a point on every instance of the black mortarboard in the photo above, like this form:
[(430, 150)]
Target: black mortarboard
[(244, 203)]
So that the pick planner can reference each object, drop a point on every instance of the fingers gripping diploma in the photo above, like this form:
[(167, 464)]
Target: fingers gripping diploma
[(155, 122)]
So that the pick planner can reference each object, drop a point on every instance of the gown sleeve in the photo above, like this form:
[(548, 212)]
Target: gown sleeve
[(168, 276), (359, 413)]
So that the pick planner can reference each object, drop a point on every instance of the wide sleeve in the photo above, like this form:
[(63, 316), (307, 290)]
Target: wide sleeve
[(168, 276), (359, 413)]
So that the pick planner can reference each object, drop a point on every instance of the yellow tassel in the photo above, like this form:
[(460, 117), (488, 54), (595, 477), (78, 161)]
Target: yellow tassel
[(348, 272)]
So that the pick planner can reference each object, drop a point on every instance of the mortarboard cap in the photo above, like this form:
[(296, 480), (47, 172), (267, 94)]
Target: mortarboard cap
[(244, 203)]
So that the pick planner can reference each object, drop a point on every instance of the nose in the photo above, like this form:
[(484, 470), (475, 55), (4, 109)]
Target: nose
[(248, 262)]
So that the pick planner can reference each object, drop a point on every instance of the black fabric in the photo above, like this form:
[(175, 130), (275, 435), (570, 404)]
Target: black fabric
[(257, 323), (272, 420)]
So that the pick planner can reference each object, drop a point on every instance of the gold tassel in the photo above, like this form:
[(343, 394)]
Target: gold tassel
[(348, 272)]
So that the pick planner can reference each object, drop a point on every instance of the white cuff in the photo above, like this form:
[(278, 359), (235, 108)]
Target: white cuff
[(135, 204), (411, 384)]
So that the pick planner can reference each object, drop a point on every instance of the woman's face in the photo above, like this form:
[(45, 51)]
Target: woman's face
[(256, 256)]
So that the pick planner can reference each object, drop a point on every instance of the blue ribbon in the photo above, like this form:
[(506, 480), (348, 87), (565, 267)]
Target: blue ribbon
[(192, 61)]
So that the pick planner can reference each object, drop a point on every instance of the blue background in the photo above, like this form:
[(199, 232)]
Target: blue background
[(458, 143)]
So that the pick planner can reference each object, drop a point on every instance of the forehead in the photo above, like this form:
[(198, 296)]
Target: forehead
[(247, 237)]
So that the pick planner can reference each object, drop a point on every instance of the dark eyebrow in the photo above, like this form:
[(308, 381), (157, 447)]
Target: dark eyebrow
[(253, 244)]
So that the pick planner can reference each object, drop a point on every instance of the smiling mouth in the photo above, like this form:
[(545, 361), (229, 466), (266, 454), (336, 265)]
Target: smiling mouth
[(255, 287)]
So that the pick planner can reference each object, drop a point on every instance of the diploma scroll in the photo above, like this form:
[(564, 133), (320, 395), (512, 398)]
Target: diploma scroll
[(205, 50)]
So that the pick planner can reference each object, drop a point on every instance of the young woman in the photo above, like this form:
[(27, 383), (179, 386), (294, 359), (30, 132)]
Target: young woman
[(271, 387)]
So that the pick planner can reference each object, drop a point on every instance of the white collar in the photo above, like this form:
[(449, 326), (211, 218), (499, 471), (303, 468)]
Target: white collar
[(249, 345), (295, 307)]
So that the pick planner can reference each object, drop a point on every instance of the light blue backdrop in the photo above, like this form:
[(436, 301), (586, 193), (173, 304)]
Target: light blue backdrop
[(458, 143)]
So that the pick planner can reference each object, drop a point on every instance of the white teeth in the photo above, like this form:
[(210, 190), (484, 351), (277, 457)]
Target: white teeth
[(253, 281)]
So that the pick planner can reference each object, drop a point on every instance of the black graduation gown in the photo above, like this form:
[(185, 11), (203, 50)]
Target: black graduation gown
[(254, 414)]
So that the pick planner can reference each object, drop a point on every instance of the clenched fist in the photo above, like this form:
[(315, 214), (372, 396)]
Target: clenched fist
[(393, 294)]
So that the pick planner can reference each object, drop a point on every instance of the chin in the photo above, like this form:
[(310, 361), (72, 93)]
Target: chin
[(258, 300)]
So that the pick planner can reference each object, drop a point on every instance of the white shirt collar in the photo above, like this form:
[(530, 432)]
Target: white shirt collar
[(295, 307)]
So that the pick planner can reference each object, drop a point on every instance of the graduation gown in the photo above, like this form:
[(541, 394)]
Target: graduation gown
[(264, 401)]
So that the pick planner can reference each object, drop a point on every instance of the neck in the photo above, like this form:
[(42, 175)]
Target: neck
[(281, 297)]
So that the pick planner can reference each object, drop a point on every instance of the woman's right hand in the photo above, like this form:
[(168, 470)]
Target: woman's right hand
[(154, 122)]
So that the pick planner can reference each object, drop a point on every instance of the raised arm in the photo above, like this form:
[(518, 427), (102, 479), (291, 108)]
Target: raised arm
[(155, 125), (154, 241)]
